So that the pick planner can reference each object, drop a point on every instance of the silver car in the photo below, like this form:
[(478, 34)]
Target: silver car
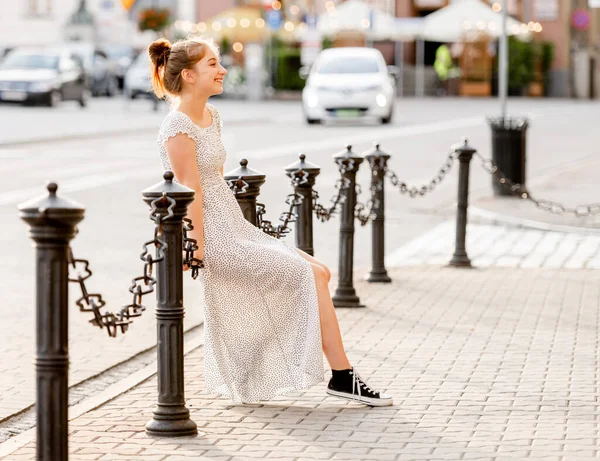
[(349, 83)]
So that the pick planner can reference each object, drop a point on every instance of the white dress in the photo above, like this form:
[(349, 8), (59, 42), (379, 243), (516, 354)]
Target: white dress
[(262, 327)]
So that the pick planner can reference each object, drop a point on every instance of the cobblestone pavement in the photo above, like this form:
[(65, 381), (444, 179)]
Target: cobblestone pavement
[(486, 364), (491, 245)]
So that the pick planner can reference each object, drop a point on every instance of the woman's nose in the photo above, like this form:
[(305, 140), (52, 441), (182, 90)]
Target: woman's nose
[(223, 71)]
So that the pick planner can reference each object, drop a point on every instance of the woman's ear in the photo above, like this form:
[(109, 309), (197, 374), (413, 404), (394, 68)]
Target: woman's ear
[(187, 75)]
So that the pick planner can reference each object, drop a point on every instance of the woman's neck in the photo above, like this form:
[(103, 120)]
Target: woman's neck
[(194, 108)]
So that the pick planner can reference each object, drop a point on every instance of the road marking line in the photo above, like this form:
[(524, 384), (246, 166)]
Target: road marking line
[(364, 136), (83, 183)]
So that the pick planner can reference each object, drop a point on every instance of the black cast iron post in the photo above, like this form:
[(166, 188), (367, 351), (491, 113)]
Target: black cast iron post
[(171, 417), (52, 220), (304, 222), (246, 194), (464, 154), (345, 294), (378, 161)]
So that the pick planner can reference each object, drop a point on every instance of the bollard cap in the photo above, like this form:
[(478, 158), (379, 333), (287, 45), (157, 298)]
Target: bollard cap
[(348, 153), (376, 152), (50, 206), (245, 172), (303, 164), (169, 186), (463, 148)]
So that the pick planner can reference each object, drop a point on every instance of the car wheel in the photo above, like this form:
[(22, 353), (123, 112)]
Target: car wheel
[(84, 98), (112, 87), (54, 99), (387, 120), (313, 121)]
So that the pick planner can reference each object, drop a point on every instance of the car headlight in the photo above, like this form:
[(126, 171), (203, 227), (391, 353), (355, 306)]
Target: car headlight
[(381, 100), (42, 87)]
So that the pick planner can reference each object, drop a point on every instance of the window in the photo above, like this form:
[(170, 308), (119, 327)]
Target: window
[(39, 7), (348, 65)]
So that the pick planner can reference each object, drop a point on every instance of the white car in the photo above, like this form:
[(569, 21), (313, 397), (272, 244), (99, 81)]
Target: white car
[(349, 82), (137, 80)]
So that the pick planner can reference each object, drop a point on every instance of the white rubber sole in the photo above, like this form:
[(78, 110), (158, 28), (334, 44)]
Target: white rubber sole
[(383, 401)]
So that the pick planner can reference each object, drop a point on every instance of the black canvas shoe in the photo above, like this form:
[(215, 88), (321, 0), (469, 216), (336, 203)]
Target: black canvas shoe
[(347, 384)]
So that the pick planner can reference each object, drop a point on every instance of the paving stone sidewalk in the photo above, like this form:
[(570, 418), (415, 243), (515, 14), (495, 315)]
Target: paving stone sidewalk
[(490, 245), (487, 364)]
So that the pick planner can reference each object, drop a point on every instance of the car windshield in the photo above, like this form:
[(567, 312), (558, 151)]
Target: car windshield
[(30, 61), (142, 60), (348, 65)]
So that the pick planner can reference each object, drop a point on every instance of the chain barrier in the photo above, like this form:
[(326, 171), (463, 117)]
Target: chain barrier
[(79, 272), (238, 186), (341, 185), (190, 246), (293, 200), (372, 205), (517, 189), (413, 191)]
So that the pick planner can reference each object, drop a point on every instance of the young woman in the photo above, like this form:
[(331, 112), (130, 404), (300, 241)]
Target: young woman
[(269, 315)]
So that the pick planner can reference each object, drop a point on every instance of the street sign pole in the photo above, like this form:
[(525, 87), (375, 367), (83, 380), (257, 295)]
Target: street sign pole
[(503, 65)]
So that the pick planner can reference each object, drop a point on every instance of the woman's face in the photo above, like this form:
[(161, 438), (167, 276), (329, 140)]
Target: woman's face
[(209, 74)]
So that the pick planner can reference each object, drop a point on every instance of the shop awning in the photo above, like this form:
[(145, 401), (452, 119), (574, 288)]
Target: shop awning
[(463, 19)]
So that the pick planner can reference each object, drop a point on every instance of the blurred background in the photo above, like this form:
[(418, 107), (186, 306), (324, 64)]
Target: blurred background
[(554, 43)]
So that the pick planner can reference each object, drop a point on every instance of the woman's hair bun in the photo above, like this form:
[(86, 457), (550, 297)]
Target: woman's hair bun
[(159, 51)]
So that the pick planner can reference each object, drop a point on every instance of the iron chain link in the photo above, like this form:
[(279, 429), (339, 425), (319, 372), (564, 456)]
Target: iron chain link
[(80, 272), (341, 185), (413, 191), (293, 200), (544, 205)]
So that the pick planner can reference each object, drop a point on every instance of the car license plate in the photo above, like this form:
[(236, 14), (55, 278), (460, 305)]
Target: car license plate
[(347, 113), (13, 95)]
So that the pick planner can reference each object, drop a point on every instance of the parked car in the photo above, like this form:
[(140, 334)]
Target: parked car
[(42, 76), (120, 57), (100, 71), (137, 79), (349, 83)]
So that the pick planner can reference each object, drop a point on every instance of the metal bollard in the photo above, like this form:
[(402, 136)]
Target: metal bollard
[(304, 223), (52, 220), (345, 294), (246, 194), (378, 161), (465, 154), (170, 417)]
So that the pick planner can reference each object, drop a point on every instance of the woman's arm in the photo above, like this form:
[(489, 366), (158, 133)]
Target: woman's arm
[(181, 151)]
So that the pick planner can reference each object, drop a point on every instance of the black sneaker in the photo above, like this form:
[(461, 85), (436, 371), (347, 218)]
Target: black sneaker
[(347, 384)]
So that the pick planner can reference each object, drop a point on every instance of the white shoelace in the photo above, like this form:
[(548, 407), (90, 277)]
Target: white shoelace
[(357, 382)]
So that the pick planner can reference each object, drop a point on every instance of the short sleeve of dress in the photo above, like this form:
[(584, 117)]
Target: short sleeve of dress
[(176, 123)]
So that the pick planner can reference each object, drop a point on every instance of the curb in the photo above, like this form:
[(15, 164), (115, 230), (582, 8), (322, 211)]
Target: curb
[(503, 219), (75, 137), (110, 393)]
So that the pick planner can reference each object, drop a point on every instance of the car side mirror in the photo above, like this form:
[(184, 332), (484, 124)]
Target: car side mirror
[(394, 71), (303, 72)]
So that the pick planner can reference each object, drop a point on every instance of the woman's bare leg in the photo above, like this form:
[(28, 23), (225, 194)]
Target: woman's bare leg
[(333, 346)]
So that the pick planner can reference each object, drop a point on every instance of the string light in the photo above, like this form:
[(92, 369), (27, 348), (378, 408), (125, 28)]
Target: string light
[(237, 47), (202, 27), (289, 26), (216, 26), (365, 23), (245, 22), (497, 7), (276, 5), (260, 23), (294, 9), (231, 22)]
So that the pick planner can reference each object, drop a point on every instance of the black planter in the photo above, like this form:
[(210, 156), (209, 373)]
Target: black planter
[(509, 151)]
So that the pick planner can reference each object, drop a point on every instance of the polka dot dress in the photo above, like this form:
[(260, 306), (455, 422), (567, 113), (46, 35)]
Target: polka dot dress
[(262, 328)]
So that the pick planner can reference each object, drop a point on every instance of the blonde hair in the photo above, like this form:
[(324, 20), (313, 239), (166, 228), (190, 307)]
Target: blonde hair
[(170, 59)]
